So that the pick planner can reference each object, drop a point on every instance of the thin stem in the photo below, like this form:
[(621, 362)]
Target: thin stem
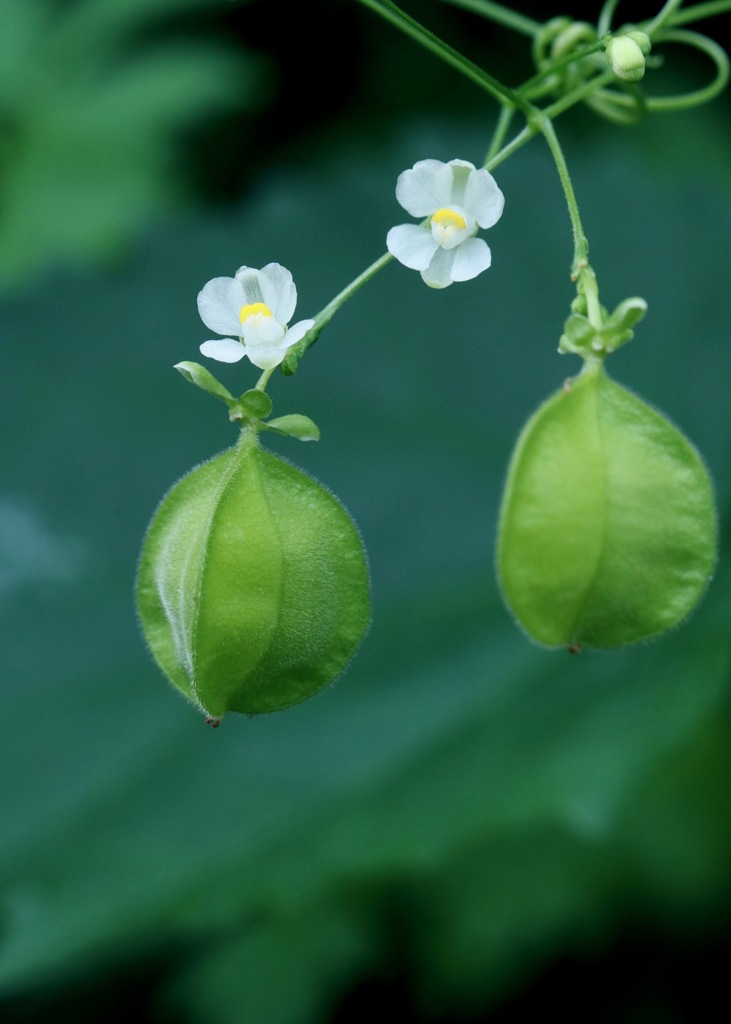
[(692, 99), (605, 18), (261, 384), (701, 11), (539, 121), (328, 312), (581, 244), (663, 15), (538, 81), (578, 94), (498, 136), (388, 10), (501, 15), (523, 136)]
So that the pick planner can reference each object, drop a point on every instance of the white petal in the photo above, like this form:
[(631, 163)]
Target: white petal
[(439, 272), (298, 331), (449, 236), (225, 350), (483, 198), (266, 356), (462, 163), (425, 188), (411, 245), (250, 280), (470, 259), (461, 170), (262, 330), (216, 308), (279, 291)]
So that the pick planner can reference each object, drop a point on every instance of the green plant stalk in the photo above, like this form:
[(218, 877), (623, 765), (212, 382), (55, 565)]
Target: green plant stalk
[(539, 122), (525, 135), (499, 14), (498, 136), (702, 11), (664, 15), (388, 10), (328, 312), (580, 265)]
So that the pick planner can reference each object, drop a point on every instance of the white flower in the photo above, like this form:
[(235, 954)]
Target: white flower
[(457, 198), (256, 306)]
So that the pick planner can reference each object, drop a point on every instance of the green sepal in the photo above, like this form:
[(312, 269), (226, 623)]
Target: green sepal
[(578, 335), (288, 366), (294, 425), (256, 404), (204, 379), (619, 327), (582, 338)]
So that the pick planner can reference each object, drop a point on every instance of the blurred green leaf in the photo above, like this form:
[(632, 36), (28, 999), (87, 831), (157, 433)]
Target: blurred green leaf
[(91, 115), (277, 972)]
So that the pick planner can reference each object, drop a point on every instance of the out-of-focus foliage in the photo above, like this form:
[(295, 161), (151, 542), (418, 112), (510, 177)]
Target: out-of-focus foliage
[(461, 799), (94, 96)]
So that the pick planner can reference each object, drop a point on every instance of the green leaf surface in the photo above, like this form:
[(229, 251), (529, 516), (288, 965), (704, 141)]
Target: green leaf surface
[(204, 379), (295, 425), (90, 124)]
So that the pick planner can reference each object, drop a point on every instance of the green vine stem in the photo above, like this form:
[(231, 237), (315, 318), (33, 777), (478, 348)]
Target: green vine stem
[(624, 106), (411, 27), (501, 15), (699, 12), (662, 17), (581, 244), (328, 312)]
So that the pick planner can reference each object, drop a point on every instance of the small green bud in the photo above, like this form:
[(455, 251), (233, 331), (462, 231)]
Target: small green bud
[(642, 39), (626, 57), (607, 529), (253, 590)]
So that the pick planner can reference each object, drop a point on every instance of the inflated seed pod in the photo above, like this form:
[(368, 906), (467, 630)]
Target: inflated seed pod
[(253, 589), (607, 529)]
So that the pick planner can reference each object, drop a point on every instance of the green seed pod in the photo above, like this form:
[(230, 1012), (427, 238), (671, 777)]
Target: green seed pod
[(607, 529), (253, 588)]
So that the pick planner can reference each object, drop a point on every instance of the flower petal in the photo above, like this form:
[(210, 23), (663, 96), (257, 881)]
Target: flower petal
[(250, 280), (470, 259), (262, 330), (298, 331), (272, 285), (225, 350), (425, 188), (483, 199), (411, 245), (216, 308), (461, 170), (439, 272), (279, 291), (266, 357)]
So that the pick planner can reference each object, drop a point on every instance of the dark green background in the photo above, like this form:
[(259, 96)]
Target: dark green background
[(465, 826)]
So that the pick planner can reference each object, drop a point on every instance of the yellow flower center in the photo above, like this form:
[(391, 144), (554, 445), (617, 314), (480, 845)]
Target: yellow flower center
[(252, 309), (447, 218)]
